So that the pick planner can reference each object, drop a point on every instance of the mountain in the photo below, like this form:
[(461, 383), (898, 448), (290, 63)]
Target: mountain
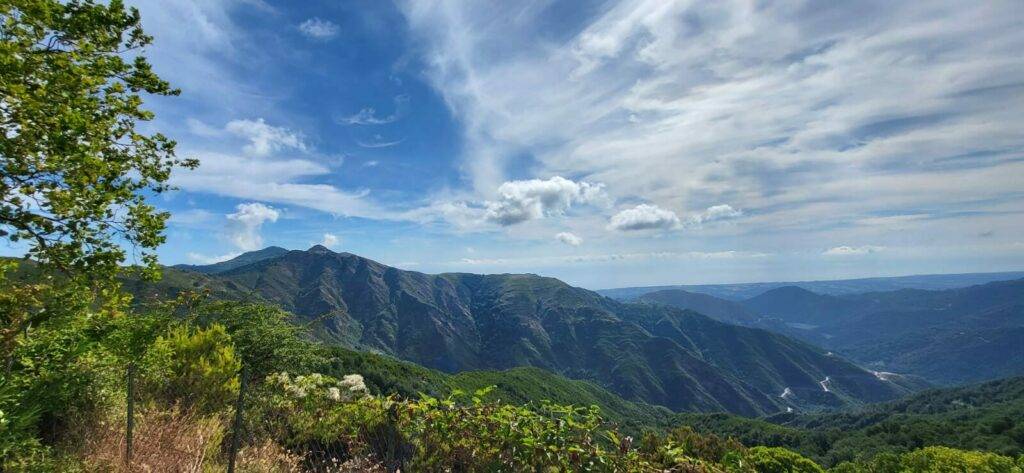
[(711, 306), (238, 261), (457, 322), (796, 305), (743, 291), (948, 337), (987, 416)]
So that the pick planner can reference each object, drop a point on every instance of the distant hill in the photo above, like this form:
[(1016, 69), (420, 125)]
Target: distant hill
[(987, 416), (951, 336), (236, 262), (458, 322), (743, 291)]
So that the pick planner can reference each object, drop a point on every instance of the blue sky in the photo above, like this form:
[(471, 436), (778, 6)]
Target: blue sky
[(609, 143)]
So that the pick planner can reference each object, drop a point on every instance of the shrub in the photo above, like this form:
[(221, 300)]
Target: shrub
[(945, 459), (780, 460), (196, 367)]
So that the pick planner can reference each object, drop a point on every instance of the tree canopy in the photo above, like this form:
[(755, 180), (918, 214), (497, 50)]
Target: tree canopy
[(74, 168)]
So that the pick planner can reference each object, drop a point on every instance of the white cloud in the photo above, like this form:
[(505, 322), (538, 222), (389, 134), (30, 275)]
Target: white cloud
[(319, 29), (610, 257), (244, 225), (198, 258), (569, 239), (367, 116), (379, 142), (520, 201), (829, 112), (714, 213), (330, 240), (853, 250), (644, 217), (264, 139)]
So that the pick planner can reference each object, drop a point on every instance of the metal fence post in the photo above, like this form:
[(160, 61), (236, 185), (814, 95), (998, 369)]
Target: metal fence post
[(131, 414), (236, 429)]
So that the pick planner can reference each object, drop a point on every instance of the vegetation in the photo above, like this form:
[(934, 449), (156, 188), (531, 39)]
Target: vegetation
[(982, 417), (75, 173)]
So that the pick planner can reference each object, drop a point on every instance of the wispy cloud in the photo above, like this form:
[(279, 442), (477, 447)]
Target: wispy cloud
[(776, 108), (853, 250), (569, 239), (318, 29), (263, 138), (368, 115), (607, 257), (379, 142)]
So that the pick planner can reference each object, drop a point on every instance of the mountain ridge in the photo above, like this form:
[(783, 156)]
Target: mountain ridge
[(948, 337), (461, 321), (742, 291)]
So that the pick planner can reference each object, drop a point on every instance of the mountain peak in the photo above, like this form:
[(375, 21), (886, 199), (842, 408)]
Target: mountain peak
[(243, 259), (320, 249)]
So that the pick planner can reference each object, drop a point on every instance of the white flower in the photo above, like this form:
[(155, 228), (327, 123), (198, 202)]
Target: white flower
[(334, 393), (354, 382)]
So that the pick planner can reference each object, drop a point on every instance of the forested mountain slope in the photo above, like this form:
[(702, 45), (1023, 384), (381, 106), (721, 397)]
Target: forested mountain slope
[(948, 337), (457, 322)]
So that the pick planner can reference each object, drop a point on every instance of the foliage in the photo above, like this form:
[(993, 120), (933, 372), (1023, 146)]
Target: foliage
[(196, 367), (263, 336), (985, 417), (73, 167), (780, 460)]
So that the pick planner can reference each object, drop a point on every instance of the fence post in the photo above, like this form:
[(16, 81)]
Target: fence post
[(236, 429), (131, 414)]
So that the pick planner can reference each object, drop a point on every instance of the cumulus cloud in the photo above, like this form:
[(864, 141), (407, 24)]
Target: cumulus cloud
[(520, 201), (853, 250), (644, 217), (316, 28), (263, 138), (715, 213), (244, 225), (569, 239), (329, 240)]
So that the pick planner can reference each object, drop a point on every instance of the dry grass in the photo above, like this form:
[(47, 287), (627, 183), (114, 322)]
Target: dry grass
[(268, 457), (173, 441), (164, 441)]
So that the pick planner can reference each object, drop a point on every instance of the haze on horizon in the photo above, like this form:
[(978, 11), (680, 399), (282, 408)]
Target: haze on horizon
[(609, 144)]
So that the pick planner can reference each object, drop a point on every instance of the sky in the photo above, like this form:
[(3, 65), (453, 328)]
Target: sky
[(608, 143)]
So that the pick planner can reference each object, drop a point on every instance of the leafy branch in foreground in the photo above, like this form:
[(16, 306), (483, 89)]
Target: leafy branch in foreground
[(74, 170)]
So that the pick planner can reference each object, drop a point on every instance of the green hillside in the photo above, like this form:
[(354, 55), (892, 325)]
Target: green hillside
[(988, 416), (461, 322)]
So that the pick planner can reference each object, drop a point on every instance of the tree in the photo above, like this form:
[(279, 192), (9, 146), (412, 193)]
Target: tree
[(74, 170)]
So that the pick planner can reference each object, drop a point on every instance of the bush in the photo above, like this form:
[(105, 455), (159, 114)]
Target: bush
[(945, 459), (780, 460), (195, 367)]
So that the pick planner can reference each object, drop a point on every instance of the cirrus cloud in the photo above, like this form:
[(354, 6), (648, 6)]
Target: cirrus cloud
[(853, 250)]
